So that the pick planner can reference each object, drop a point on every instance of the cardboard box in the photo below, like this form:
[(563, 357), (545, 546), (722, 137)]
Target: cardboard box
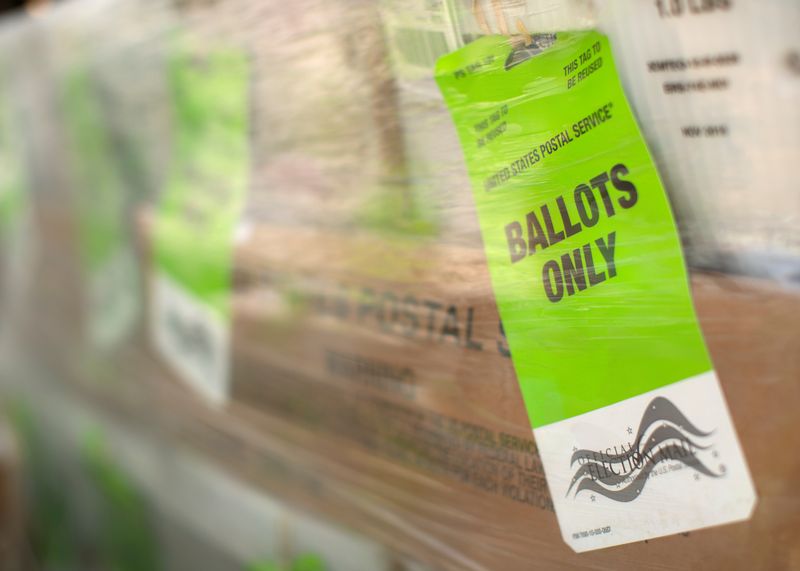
[(441, 462)]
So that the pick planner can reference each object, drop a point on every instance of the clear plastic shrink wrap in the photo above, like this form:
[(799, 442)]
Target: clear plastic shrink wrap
[(244, 277)]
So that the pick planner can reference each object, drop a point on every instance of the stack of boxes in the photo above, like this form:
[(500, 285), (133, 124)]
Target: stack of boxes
[(369, 378)]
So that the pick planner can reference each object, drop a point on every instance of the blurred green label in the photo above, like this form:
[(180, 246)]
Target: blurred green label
[(100, 192), (103, 205), (583, 251), (12, 180), (207, 181)]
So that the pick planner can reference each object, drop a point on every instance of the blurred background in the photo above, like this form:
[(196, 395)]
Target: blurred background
[(246, 321)]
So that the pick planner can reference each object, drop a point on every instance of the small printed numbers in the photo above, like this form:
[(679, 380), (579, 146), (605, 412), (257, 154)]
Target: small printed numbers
[(592, 532)]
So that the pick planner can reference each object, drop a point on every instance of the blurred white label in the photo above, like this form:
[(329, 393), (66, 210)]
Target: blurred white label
[(192, 337)]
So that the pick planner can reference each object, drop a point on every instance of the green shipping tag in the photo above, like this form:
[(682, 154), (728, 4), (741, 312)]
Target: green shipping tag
[(12, 180), (198, 214), (112, 296), (591, 286), (18, 249)]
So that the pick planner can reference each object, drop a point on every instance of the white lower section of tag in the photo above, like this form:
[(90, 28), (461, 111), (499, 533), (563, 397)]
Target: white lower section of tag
[(693, 476), (192, 337)]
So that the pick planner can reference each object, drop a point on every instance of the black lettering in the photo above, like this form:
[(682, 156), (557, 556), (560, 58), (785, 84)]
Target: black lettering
[(594, 278), (433, 307), (553, 287), (390, 298), (502, 344), (450, 327), (552, 236), (624, 185), (516, 245), (607, 249), (573, 271), (599, 182), (409, 303), (584, 193), (470, 344), (536, 235), (570, 228)]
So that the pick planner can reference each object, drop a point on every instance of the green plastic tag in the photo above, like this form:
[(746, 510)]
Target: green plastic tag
[(198, 213), (583, 251), (590, 282), (18, 249), (12, 181), (100, 192), (206, 185), (102, 198)]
